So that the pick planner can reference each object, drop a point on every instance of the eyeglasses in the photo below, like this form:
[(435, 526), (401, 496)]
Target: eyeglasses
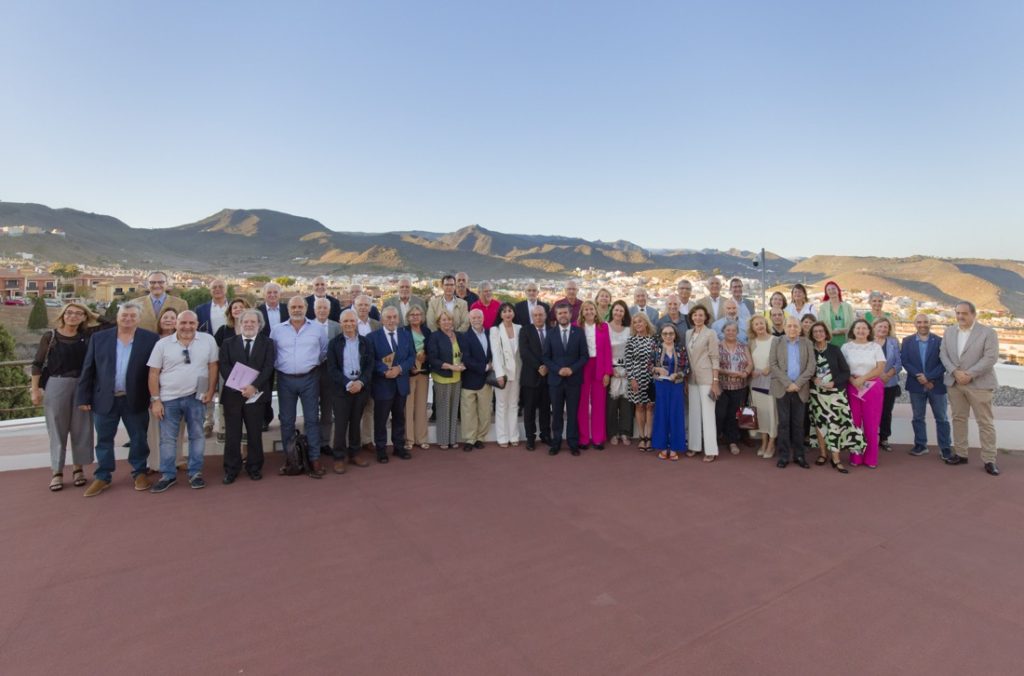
[(155, 281), (74, 313), (188, 359)]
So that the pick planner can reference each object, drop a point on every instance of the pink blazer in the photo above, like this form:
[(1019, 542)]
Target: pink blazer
[(604, 350)]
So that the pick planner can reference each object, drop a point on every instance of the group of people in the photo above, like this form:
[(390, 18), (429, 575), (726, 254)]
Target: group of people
[(582, 373)]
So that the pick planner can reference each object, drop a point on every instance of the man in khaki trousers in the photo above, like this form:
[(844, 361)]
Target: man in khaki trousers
[(475, 407), (969, 352)]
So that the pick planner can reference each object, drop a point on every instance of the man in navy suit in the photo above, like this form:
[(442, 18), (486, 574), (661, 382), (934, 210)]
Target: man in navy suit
[(212, 314), (475, 404), (274, 312), (393, 358), (320, 291), (524, 308), (114, 386), (925, 371), (565, 354)]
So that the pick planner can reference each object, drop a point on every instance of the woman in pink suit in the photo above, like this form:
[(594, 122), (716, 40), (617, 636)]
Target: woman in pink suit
[(865, 387), (596, 374)]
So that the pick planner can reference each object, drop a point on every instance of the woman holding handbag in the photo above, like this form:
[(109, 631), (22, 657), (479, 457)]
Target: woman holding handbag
[(507, 367), (734, 369), (55, 372)]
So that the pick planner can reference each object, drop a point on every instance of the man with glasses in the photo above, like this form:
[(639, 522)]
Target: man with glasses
[(457, 307), (524, 308), (158, 298), (182, 380)]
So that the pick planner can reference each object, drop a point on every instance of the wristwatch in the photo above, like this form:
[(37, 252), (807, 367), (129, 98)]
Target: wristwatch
[(152, 399)]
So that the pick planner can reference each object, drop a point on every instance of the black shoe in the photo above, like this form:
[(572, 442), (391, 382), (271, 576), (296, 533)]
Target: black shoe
[(598, 447), (583, 447), (918, 450), (196, 482), (478, 444), (884, 445), (839, 467), (229, 479), (467, 447), (266, 427), (162, 485), (991, 468), (957, 460), (403, 454), (781, 464), (255, 475), (574, 451), (545, 440), (802, 462), (530, 446), (382, 457), (326, 452), (553, 450)]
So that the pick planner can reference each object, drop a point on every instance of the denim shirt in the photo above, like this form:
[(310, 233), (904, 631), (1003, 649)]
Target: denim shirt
[(893, 361)]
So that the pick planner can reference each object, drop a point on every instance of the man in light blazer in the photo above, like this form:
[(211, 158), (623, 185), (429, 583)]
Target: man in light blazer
[(253, 349), (524, 308), (405, 301), (714, 300), (926, 386), (393, 358), (969, 352), (158, 298), (448, 301), (792, 363), (640, 305), (565, 355)]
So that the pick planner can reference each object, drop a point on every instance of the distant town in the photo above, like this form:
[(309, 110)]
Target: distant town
[(25, 277)]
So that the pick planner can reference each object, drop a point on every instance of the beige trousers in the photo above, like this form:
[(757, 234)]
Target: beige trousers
[(963, 400), (476, 414), (416, 413)]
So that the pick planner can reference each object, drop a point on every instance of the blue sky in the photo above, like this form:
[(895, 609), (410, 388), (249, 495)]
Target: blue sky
[(867, 128)]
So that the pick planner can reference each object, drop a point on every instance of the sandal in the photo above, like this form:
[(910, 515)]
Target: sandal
[(710, 458), (821, 460), (424, 446), (673, 456), (663, 455), (56, 482), (690, 454), (78, 476)]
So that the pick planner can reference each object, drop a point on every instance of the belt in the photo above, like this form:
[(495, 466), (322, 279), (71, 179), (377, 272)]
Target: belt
[(299, 375), (120, 394)]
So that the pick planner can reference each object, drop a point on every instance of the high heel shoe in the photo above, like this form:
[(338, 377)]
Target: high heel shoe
[(838, 466)]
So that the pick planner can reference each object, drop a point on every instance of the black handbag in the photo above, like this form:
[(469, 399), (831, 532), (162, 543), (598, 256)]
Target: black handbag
[(44, 371), (493, 381)]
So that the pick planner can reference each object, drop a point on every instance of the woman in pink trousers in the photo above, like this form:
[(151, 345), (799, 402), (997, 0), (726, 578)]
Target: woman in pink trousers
[(865, 388), (596, 374)]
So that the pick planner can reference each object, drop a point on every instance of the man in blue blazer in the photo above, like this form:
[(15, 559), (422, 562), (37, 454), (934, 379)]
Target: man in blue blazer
[(475, 405), (393, 358), (211, 315), (925, 371), (114, 386), (565, 354)]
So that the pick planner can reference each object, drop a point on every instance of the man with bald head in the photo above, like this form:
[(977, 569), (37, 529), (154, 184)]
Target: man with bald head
[(571, 299), (920, 354), (462, 289), (320, 291), (182, 380), (731, 310)]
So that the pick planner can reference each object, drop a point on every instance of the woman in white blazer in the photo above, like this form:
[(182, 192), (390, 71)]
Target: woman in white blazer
[(507, 366)]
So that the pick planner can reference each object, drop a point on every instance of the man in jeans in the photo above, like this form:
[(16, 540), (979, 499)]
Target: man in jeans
[(113, 385), (182, 380), (920, 354)]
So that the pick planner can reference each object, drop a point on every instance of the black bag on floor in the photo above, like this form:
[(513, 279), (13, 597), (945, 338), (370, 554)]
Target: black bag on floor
[(296, 456)]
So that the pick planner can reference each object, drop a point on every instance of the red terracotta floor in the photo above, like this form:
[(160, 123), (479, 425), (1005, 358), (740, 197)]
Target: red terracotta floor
[(508, 562)]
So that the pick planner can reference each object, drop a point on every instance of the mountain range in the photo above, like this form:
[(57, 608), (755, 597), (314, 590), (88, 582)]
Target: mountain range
[(267, 241)]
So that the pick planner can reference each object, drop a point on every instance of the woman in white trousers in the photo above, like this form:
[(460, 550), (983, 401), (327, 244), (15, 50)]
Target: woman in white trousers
[(703, 390), (507, 366)]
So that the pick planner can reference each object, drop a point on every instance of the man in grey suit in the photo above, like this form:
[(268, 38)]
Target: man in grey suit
[(331, 328), (640, 305), (792, 363), (969, 352), (405, 301)]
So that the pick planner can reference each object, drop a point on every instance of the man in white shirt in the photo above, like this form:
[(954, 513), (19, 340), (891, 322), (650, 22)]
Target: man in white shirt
[(182, 380), (745, 305), (640, 305), (524, 308), (713, 301), (685, 290)]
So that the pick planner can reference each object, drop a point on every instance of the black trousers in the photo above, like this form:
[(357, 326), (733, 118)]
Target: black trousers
[(236, 411), (725, 414), (382, 410), (348, 412), (791, 411), (536, 403), (565, 401), (268, 412), (889, 396)]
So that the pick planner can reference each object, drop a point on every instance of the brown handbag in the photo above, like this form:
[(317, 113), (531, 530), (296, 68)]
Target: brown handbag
[(746, 417)]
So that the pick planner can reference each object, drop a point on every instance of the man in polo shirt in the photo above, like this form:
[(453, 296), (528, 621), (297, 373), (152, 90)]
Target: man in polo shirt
[(182, 380), (300, 347)]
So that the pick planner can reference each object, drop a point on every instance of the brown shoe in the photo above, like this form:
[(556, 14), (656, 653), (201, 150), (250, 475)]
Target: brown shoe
[(316, 469), (142, 482), (207, 431), (96, 487), (339, 466), (358, 461)]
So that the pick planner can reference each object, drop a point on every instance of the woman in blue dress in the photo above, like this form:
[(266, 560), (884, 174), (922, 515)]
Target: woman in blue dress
[(668, 435)]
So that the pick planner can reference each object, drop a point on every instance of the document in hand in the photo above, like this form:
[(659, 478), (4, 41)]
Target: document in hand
[(864, 390), (388, 359), (241, 376)]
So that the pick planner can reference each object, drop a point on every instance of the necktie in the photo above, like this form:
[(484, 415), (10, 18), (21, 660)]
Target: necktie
[(541, 330), (394, 348), (565, 338), (248, 348)]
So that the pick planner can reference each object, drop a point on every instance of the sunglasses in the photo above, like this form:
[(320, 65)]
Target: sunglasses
[(188, 359)]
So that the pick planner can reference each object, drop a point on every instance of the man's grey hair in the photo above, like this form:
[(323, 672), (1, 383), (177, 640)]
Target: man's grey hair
[(251, 311), (130, 305), (321, 301), (271, 285), (969, 304)]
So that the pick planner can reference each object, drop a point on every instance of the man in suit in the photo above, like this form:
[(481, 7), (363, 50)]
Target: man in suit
[(792, 363), (533, 384), (685, 290), (393, 359), (920, 356), (355, 291), (448, 301), (524, 308), (274, 312), (405, 301), (744, 305), (640, 305), (969, 352), (213, 313), (331, 328), (475, 405), (350, 368), (571, 299), (462, 289), (565, 354), (114, 386), (320, 291), (713, 301), (253, 349), (158, 298), (365, 325)]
